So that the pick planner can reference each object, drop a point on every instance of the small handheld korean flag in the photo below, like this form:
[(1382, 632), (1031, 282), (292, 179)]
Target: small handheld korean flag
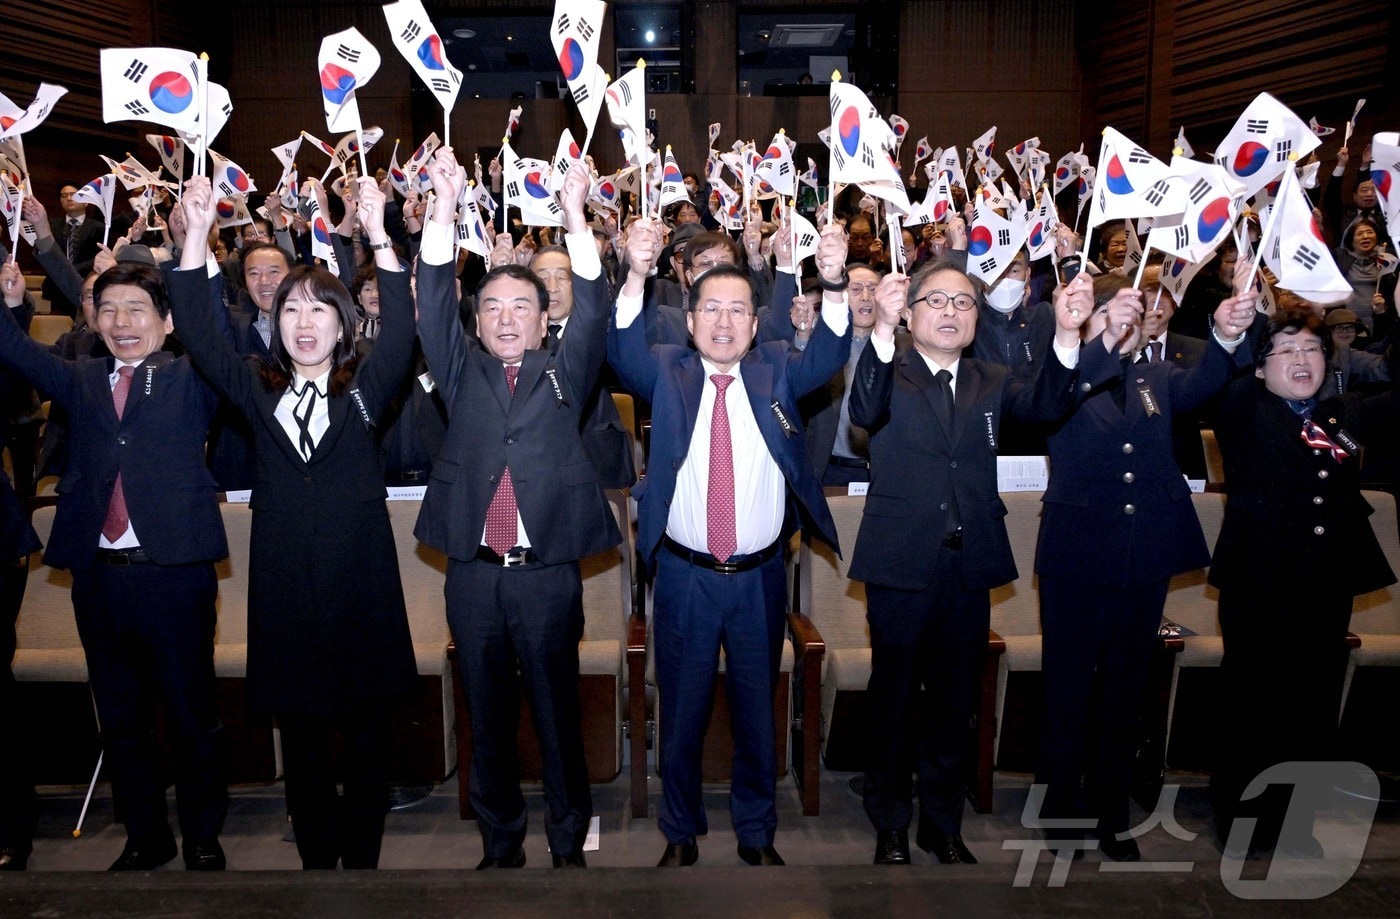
[(985, 145), (526, 186), (130, 172), (1177, 274), (1019, 156), (15, 121), (575, 33), (1213, 203), (859, 136), (626, 101), (922, 151), (1320, 130), (321, 245), (950, 164), (805, 236), (160, 85), (565, 155), (11, 200), (672, 182), (346, 62), (471, 227), (992, 242), (172, 154), (1265, 140), (99, 193), (1067, 170), (228, 178), (775, 169), (1040, 226), (1385, 174), (232, 212), (420, 156), (419, 43), (900, 127), (1132, 183), (1293, 247)]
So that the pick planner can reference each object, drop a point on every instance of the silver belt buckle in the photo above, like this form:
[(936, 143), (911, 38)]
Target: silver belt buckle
[(726, 568), (513, 557)]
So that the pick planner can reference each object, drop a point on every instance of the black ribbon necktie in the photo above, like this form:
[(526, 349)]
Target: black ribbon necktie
[(302, 414)]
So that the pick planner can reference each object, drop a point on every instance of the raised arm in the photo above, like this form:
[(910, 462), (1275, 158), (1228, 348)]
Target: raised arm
[(389, 362), (628, 352), (440, 331)]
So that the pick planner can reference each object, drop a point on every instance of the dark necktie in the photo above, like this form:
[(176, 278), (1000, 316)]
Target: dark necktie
[(306, 405), (71, 243), (117, 520), (552, 338), (501, 529), (944, 378), (1154, 352), (722, 530)]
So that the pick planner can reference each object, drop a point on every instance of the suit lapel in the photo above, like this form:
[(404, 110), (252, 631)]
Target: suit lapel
[(267, 407), (494, 374), (692, 385), (916, 371)]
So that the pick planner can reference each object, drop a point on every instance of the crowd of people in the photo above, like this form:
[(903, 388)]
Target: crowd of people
[(206, 360)]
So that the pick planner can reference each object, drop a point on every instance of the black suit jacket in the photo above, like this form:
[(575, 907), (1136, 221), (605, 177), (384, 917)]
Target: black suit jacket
[(1186, 352), (535, 432), (916, 466), (607, 440), (157, 446)]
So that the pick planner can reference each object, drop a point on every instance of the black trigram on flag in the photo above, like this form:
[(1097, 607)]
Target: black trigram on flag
[(1183, 237), (1278, 243), (562, 24), (513, 190), (839, 156), (625, 90), (1198, 192), (1306, 257), (835, 103), (585, 29), (580, 93), (1257, 126), (346, 53), (462, 232), (439, 85), (1003, 237), (784, 168), (806, 240), (136, 108), (1282, 149), (411, 31), (1103, 201), (987, 264), (136, 70), (1139, 155), (867, 157), (1155, 195), (226, 189)]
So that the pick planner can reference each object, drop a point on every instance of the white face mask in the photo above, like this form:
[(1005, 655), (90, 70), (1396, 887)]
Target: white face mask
[(1006, 295)]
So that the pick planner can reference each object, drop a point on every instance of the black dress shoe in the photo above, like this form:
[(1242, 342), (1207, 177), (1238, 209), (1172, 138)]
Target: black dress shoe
[(680, 855), (760, 855), (205, 856), (514, 859), (136, 858), (570, 861), (13, 858), (949, 850), (1119, 850), (892, 847)]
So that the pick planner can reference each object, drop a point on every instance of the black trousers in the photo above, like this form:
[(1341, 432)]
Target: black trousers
[(520, 627), (148, 634), (935, 638), (331, 828), (18, 807), (1283, 670), (1096, 653)]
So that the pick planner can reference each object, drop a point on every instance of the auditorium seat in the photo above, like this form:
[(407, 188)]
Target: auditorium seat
[(47, 328), (1373, 667)]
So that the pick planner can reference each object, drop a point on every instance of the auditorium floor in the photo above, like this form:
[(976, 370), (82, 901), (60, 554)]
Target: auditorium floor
[(428, 853)]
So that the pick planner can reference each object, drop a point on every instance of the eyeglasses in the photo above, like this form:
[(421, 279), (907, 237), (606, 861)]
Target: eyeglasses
[(1291, 353), (1344, 327), (862, 236), (710, 313), (939, 299), (863, 290)]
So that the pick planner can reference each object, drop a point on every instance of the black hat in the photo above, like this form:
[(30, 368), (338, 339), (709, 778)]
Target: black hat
[(679, 237)]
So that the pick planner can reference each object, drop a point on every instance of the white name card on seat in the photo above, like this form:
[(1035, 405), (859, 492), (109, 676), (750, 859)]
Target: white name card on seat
[(857, 489), (406, 492), (1022, 473), (238, 496)]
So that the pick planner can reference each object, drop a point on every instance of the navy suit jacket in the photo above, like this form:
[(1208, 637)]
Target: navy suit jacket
[(1105, 460), (672, 378), (157, 446)]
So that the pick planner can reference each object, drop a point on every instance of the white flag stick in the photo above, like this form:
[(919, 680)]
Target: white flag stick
[(202, 72), (360, 139), (1142, 266), (1265, 236)]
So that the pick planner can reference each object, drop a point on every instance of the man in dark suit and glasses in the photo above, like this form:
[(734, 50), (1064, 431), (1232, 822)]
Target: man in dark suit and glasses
[(933, 540), (514, 502), (138, 525), (728, 481)]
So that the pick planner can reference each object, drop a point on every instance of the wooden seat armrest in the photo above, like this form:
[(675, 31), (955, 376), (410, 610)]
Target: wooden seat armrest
[(1353, 641), (805, 636), (1174, 644), (995, 643)]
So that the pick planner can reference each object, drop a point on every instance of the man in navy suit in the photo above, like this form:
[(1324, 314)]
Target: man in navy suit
[(139, 527), (932, 542), (514, 501), (727, 481)]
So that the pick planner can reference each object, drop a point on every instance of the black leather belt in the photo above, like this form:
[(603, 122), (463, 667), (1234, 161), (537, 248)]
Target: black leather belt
[(513, 557), (733, 565), (953, 540), (120, 558), (850, 462), (411, 475)]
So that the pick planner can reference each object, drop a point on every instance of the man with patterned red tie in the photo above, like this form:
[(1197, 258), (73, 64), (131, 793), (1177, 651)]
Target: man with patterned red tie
[(728, 481), (514, 503), (138, 525)]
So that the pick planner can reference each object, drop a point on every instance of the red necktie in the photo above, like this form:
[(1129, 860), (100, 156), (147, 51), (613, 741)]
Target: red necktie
[(501, 530), (719, 510), (117, 520)]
